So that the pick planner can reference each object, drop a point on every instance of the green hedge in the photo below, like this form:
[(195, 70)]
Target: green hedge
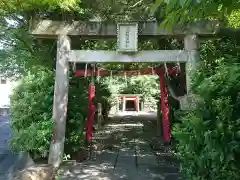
[(31, 112), (209, 136)]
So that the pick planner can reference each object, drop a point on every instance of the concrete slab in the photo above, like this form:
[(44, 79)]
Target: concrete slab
[(126, 160), (148, 159)]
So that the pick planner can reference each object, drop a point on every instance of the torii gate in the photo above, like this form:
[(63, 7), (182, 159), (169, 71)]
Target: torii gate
[(159, 71), (64, 32)]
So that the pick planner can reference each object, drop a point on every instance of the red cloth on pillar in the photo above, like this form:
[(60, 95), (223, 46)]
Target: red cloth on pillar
[(91, 112), (165, 108)]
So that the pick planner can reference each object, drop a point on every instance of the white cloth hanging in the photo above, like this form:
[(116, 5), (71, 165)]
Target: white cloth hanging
[(178, 64), (98, 74), (86, 68), (166, 68)]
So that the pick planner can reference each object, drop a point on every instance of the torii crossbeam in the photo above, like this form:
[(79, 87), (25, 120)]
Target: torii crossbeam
[(148, 71)]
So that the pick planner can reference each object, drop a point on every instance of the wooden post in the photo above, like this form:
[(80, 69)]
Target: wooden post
[(117, 105), (142, 105), (191, 43), (165, 108), (91, 111), (137, 104), (99, 111), (124, 104), (60, 101)]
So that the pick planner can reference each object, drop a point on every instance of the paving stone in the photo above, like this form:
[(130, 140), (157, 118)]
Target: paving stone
[(173, 176), (126, 161), (106, 160), (147, 159)]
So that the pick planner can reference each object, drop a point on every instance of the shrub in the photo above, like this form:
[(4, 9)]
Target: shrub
[(209, 137), (31, 113)]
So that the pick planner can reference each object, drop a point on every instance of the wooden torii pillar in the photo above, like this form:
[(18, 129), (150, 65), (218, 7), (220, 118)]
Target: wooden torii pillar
[(191, 43), (91, 111), (124, 104), (164, 104), (137, 101), (100, 30), (60, 100)]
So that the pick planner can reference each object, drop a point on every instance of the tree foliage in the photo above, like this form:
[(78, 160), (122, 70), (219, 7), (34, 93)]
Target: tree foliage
[(233, 19), (209, 139), (14, 6), (208, 136), (103, 10), (31, 112), (181, 11)]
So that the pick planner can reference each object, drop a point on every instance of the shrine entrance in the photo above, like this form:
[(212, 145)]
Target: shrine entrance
[(128, 102), (161, 71), (130, 105), (127, 35)]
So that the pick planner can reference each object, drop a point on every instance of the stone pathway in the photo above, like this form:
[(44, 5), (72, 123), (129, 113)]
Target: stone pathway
[(9, 162), (125, 154)]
